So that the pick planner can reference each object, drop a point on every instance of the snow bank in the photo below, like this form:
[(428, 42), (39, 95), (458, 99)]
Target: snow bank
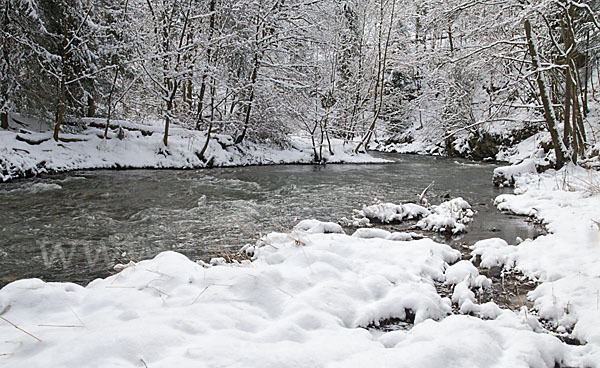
[(451, 216), (300, 302), (567, 260), (143, 148), (505, 175), (306, 299)]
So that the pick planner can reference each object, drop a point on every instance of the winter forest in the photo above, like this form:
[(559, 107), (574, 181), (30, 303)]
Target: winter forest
[(300, 183), (354, 70)]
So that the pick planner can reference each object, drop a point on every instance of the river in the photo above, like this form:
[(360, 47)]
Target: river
[(77, 226)]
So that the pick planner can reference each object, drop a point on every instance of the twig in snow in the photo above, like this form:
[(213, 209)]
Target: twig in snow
[(19, 328), (199, 295), (158, 273), (160, 291), (62, 326), (72, 311), (285, 292), (422, 196), (144, 363)]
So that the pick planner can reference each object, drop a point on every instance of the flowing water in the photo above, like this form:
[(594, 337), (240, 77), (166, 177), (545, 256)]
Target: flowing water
[(76, 226)]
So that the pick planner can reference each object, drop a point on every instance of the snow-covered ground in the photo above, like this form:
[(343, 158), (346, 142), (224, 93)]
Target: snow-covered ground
[(142, 147), (308, 299), (566, 261)]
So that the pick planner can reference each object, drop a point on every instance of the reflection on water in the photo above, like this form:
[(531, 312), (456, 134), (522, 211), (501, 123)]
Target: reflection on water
[(75, 227)]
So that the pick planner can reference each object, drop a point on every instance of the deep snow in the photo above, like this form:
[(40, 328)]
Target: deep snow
[(307, 299), (567, 260)]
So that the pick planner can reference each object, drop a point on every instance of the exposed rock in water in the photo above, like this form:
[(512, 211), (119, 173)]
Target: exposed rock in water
[(483, 146)]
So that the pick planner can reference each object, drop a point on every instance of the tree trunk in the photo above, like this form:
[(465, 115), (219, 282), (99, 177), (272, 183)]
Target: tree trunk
[(6, 71), (205, 146), (241, 137), (450, 39), (201, 102), (587, 74), (170, 104), (549, 116), (567, 130), (314, 144), (110, 95), (167, 122), (212, 7), (4, 120), (321, 140), (365, 141), (328, 140), (567, 106), (62, 91)]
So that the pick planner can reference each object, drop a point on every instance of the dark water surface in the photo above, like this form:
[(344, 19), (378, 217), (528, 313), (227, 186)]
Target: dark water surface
[(76, 226)]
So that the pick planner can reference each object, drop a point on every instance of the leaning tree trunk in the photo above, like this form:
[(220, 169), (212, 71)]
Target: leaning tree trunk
[(549, 116)]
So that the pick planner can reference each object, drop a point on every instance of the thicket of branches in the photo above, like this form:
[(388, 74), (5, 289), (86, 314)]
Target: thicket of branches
[(261, 69)]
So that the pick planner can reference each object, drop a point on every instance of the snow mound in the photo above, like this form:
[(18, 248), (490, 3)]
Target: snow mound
[(384, 234), (451, 216), (296, 304), (464, 271), (506, 175), (318, 227), (396, 236), (462, 341), (462, 293), (371, 234), (489, 310), (386, 213), (465, 277), (494, 252)]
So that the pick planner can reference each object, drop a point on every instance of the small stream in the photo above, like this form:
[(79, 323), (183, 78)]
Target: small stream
[(77, 226)]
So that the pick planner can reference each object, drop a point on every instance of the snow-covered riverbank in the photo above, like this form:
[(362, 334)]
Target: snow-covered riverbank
[(567, 260), (27, 153), (315, 297), (308, 299)]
